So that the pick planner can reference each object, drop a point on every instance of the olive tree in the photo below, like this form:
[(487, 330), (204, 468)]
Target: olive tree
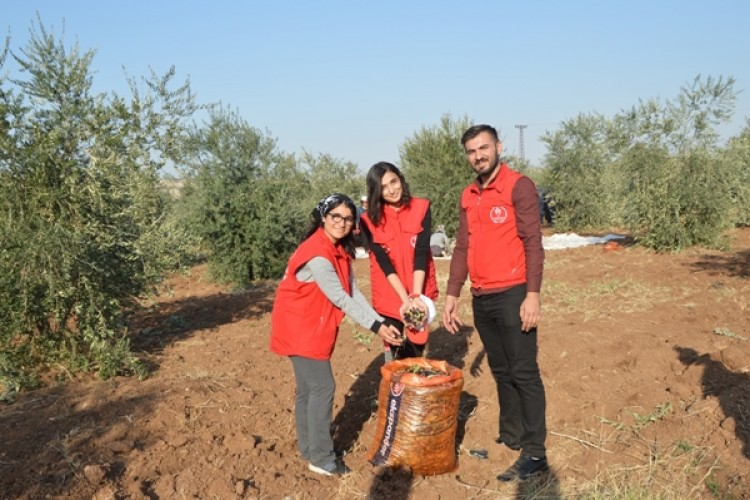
[(579, 174), (81, 211), (656, 169), (230, 202), (435, 166), (737, 158), (679, 182)]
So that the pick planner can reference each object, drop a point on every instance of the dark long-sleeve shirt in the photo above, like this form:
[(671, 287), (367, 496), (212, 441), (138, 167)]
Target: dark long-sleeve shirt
[(421, 248)]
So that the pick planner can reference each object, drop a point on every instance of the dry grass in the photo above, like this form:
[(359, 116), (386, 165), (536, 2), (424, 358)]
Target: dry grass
[(679, 471), (737, 295), (613, 295)]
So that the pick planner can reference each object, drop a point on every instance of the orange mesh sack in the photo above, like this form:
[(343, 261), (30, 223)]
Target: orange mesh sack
[(417, 416)]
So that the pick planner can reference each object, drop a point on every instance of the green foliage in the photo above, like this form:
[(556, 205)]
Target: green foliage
[(655, 169), (247, 203), (435, 166), (327, 175), (580, 173), (660, 412), (521, 165), (81, 211), (676, 202), (224, 203), (677, 194), (737, 158), (282, 217)]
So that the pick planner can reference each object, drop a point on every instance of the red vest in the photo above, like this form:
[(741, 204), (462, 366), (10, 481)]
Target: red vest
[(397, 234), (303, 321), (496, 256)]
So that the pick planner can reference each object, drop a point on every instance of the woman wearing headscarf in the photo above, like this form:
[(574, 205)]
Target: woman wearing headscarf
[(402, 270), (317, 290)]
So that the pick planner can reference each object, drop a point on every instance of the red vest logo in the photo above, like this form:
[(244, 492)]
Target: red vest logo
[(498, 214), (413, 241)]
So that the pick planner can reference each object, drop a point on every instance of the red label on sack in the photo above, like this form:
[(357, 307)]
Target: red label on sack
[(397, 388)]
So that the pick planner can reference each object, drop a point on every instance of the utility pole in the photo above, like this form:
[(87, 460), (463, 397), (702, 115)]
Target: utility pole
[(521, 151)]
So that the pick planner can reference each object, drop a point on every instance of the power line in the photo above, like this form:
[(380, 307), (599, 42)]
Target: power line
[(521, 150)]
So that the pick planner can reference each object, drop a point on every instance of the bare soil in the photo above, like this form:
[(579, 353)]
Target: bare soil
[(645, 358)]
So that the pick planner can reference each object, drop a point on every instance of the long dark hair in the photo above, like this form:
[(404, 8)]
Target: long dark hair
[(322, 209), (375, 188)]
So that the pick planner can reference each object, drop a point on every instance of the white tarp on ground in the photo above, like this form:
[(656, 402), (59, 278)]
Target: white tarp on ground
[(554, 242), (573, 240)]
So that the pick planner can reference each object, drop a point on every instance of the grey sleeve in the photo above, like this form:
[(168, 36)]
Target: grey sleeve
[(320, 270)]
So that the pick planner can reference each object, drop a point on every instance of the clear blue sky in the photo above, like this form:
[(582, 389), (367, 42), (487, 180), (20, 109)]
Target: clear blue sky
[(354, 79)]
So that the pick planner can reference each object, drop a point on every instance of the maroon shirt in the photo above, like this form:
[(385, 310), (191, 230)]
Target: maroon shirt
[(526, 201)]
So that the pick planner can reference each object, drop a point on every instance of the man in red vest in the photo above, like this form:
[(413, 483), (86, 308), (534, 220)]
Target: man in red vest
[(499, 246)]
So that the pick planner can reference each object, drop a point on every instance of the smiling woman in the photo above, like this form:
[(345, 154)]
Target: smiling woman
[(317, 290), (402, 271), (338, 223), (338, 218)]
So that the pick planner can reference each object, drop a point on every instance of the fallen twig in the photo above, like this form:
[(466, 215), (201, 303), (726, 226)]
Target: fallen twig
[(702, 482), (469, 485), (582, 441)]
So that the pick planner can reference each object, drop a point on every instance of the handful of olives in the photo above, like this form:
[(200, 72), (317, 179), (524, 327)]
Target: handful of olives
[(415, 318)]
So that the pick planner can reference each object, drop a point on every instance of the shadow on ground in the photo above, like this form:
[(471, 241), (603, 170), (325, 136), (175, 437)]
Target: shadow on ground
[(732, 390), (545, 485), (65, 436), (154, 328), (731, 264)]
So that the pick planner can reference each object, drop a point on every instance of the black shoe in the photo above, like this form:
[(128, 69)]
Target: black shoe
[(513, 446), (524, 468), (335, 468)]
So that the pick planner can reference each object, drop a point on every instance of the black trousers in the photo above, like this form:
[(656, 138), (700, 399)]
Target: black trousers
[(408, 349), (512, 356)]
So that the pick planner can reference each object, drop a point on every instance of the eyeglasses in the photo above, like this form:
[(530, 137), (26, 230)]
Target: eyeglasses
[(338, 219)]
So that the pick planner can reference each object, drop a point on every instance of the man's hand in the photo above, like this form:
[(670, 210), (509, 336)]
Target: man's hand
[(531, 311), (451, 321)]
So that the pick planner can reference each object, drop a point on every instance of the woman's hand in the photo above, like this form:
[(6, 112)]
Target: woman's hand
[(419, 304), (410, 313), (410, 303), (405, 306), (390, 334)]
